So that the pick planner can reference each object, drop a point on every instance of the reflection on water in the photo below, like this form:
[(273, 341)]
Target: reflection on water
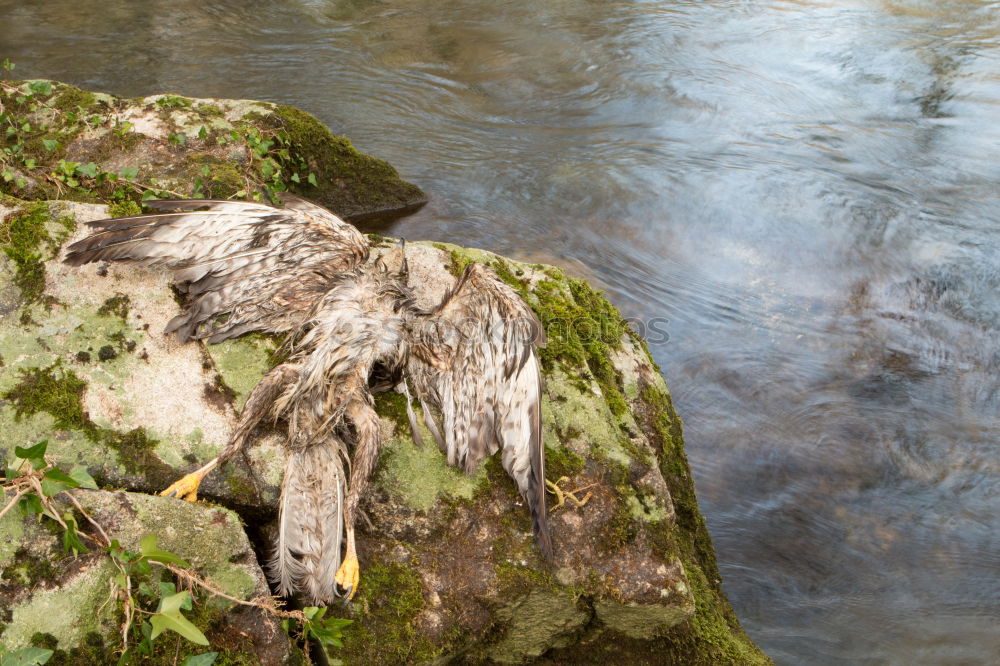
[(806, 189)]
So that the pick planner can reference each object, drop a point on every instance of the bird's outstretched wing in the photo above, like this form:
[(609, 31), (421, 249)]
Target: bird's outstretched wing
[(247, 266), (476, 373)]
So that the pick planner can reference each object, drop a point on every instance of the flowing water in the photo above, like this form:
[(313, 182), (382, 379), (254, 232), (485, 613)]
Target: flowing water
[(808, 191)]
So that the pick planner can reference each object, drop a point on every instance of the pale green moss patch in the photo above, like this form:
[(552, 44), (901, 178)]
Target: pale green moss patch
[(646, 508), (420, 475), (11, 534), (243, 362), (58, 611)]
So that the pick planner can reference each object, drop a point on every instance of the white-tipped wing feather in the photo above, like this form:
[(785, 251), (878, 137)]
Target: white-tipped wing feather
[(247, 266), (473, 364)]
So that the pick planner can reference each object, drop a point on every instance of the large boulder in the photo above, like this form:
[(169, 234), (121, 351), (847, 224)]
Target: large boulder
[(73, 144), (449, 567)]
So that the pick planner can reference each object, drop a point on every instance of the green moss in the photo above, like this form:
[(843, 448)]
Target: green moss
[(209, 110), (582, 328), (390, 597), (242, 362), (348, 181), (392, 405), (28, 242), (126, 208), (27, 570), (713, 635), (71, 99), (167, 650), (59, 393), (241, 489), (219, 179), (515, 580), (172, 101), (109, 146), (116, 306), (457, 263), (561, 461)]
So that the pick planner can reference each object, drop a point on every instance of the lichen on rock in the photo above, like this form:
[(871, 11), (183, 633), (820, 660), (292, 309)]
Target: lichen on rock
[(449, 567), (70, 602)]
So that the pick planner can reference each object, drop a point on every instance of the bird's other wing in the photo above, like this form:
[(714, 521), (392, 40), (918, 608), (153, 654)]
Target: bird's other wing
[(246, 266), (474, 366)]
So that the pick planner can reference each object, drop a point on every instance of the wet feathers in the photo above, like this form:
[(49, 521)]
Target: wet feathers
[(470, 361)]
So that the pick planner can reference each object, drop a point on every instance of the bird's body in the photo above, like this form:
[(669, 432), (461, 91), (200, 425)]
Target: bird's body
[(302, 271)]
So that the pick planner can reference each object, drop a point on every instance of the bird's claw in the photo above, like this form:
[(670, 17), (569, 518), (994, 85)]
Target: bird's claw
[(185, 488), (348, 576), (563, 495)]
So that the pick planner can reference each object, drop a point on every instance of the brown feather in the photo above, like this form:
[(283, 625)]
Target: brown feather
[(300, 269)]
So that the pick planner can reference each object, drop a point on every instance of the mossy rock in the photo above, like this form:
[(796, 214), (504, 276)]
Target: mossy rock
[(449, 567), (52, 600), (92, 147)]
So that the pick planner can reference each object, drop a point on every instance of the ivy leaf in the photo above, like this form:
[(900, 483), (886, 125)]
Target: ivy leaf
[(129, 173), (150, 551), (312, 179), (326, 631), (206, 659), (90, 170), (295, 177), (82, 477), (169, 590), (71, 540), (31, 504), (36, 451), (55, 481), (29, 656), (50, 144), (29, 163), (314, 613), (41, 87), (33, 454), (169, 617)]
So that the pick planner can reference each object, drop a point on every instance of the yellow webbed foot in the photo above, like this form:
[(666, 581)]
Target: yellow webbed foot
[(185, 488), (348, 576)]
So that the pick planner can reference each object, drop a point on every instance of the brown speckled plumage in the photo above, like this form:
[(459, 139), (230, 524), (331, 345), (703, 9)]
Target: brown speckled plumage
[(300, 270)]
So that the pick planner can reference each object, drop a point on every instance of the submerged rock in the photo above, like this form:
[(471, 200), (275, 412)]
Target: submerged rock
[(449, 568)]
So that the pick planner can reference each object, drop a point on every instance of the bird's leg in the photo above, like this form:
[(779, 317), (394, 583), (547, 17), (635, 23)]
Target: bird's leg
[(186, 488), (349, 574), (563, 495), (366, 425), (258, 405)]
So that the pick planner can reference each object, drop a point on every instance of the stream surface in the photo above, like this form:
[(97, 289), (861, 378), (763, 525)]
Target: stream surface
[(808, 191)]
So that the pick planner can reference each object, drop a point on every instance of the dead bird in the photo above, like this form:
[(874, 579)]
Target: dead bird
[(352, 327)]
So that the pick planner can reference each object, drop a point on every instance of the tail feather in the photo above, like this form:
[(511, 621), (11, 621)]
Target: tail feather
[(311, 522)]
